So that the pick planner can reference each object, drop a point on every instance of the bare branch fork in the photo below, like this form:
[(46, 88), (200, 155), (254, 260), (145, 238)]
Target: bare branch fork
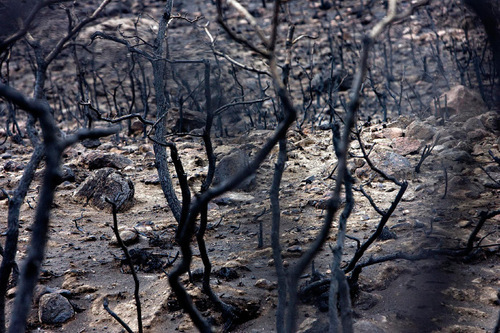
[(42, 63), (341, 149), (426, 152), (54, 146), (4, 44), (187, 227), (179, 210), (426, 253)]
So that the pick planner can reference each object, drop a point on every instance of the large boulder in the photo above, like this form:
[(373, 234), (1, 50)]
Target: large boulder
[(230, 165), (461, 104), (190, 120), (393, 163), (106, 183), (55, 309)]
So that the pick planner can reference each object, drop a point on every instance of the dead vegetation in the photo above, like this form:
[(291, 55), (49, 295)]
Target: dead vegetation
[(357, 142)]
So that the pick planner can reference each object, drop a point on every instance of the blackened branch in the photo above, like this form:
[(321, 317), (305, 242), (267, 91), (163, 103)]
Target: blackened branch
[(128, 260)]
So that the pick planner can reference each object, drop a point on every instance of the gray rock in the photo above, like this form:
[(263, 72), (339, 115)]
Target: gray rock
[(13, 166), (405, 146), (365, 301), (54, 309), (265, 284), (230, 165), (68, 175), (106, 183), (128, 237), (295, 249), (420, 130), (313, 325), (491, 120), (472, 124), (365, 326), (189, 121), (464, 187), (387, 234), (39, 291), (452, 157), (98, 160), (91, 143), (395, 161), (233, 198)]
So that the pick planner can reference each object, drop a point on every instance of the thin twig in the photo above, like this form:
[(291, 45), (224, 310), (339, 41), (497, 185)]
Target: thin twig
[(105, 304), (128, 260)]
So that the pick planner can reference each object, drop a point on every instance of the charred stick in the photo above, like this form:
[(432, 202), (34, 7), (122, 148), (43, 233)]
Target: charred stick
[(484, 215), (359, 253), (105, 304), (128, 260)]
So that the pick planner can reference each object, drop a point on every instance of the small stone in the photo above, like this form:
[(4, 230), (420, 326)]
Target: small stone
[(91, 143), (464, 223), (419, 187), (387, 234), (309, 179), (55, 309), (393, 163), (151, 180), (409, 196), (265, 284), (294, 249), (233, 198), (11, 292), (312, 325), (418, 224), (128, 236), (13, 166)]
